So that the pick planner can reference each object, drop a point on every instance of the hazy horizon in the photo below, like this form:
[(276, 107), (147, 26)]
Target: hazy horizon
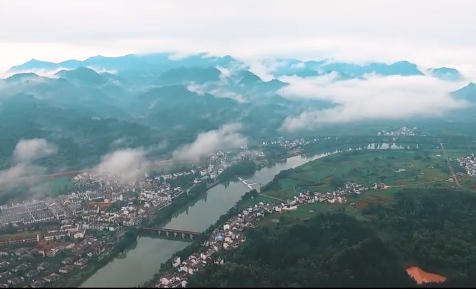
[(431, 34)]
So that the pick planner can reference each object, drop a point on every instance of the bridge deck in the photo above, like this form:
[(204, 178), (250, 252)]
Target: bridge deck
[(170, 230)]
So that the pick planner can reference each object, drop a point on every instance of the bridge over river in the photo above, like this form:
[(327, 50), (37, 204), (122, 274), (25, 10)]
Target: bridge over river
[(169, 233)]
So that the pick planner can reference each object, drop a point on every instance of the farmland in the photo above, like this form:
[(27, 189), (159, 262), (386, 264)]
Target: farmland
[(397, 169)]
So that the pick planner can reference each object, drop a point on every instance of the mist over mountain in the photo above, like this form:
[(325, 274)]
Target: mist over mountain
[(86, 106)]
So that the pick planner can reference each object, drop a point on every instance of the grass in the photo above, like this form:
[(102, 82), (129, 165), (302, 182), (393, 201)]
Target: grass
[(396, 168), (20, 234), (56, 185)]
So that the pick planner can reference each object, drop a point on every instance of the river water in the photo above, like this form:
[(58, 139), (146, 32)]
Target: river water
[(143, 259)]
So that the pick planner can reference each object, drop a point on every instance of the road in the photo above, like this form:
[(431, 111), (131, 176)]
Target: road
[(271, 197), (418, 184), (155, 165), (450, 167)]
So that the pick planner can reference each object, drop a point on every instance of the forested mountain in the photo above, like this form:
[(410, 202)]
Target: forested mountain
[(157, 97), (431, 229), (327, 251)]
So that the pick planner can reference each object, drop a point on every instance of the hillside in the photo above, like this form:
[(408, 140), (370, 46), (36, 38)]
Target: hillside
[(446, 73), (82, 76), (327, 251), (193, 74), (467, 93)]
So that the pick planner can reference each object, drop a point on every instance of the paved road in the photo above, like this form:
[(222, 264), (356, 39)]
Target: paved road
[(450, 167), (156, 165)]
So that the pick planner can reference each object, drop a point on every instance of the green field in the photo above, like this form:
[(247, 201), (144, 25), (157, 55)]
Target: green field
[(396, 168), (56, 185)]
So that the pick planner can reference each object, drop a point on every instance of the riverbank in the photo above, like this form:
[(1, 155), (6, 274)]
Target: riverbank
[(163, 216), (197, 244), (146, 258)]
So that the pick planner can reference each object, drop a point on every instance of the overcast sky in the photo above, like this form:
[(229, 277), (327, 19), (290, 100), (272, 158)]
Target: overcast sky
[(429, 32)]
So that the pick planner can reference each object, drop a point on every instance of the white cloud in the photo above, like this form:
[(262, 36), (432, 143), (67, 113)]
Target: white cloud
[(434, 33), (119, 142), (20, 174), (101, 70), (127, 164), (218, 91), (226, 137), (391, 97), (29, 150), (226, 73), (197, 88), (223, 93), (39, 72), (24, 171)]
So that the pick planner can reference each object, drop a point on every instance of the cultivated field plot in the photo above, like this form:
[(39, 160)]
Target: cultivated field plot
[(396, 168)]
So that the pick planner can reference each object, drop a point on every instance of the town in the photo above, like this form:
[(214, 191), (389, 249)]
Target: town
[(469, 164), (82, 227), (403, 131)]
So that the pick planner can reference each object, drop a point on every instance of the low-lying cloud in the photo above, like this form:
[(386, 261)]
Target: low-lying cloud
[(24, 171), (29, 150), (377, 97), (127, 164), (226, 137), (216, 91)]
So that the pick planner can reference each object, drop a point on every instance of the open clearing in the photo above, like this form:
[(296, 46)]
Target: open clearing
[(396, 168)]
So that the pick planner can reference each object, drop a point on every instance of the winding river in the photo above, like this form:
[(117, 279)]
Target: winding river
[(143, 259)]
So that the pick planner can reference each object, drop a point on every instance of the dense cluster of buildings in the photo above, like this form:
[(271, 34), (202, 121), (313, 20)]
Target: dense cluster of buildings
[(289, 143), (469, 164), (38, 266), (403, 131), (97, 191), (75, 224)]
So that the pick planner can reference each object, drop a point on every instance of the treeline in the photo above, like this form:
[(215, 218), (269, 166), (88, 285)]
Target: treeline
[(130, 236), (165, 214), (242, 168), (183, 181), (274, 152), (327, 251), (432, 229)]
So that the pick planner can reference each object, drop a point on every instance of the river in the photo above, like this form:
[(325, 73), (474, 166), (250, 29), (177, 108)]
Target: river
[(140, 263)]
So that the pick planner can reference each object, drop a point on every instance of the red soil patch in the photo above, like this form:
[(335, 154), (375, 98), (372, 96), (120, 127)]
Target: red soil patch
[(362, 205), (474, 188), (345, 162), (329, 178), (421, 276)]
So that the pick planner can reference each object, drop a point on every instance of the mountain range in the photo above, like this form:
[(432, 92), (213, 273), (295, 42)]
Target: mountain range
[(152, 99)]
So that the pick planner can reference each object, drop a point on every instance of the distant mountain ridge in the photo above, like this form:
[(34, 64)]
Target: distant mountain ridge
[(446, 73), (467, 93), (148, 68)]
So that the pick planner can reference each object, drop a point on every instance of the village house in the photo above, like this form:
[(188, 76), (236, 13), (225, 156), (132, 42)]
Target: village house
[(81, 262), (80, 234), (37, 284), (66, 269), (32, 273), (51, 278)]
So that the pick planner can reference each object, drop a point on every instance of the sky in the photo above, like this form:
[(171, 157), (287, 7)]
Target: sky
[(429, 32)]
